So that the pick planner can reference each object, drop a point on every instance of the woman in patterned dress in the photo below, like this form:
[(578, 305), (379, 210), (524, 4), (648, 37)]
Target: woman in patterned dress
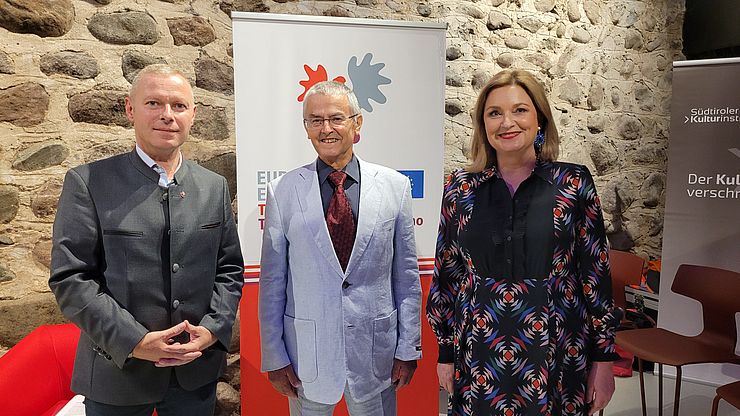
[(521, 298)]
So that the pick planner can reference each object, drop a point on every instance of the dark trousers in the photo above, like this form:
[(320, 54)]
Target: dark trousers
[(176, 402)]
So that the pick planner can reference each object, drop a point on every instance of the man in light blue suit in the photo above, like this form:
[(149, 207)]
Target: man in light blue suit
[(340, 298)]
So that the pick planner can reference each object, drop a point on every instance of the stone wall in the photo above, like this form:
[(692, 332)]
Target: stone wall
[(65, 66)]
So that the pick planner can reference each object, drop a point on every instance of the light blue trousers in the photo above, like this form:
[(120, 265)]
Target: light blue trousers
[(384, 404)]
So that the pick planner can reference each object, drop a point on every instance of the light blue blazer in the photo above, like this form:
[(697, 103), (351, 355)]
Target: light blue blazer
[(338, 327)]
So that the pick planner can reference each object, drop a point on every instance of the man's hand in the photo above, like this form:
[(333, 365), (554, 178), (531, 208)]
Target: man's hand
[(200, 336), (285, 381), (599, 386), (158, 347), (445, 374), (402, 372), (200, 339)]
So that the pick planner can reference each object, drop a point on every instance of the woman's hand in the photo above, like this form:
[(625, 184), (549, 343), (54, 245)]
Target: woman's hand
[(600, 386), (446, 373)]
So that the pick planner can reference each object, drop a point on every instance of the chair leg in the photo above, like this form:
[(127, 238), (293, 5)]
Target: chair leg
[(677, 399), (660, 389), (642, 387), (715, 405)]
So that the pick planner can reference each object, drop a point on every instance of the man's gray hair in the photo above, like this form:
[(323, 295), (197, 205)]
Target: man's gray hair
[(334, 89), (159, 69)]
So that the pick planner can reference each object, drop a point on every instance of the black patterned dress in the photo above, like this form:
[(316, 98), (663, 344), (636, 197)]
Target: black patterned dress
[(521, 296)]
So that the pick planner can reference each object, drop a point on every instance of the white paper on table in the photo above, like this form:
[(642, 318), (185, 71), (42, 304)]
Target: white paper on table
[(74, 407)]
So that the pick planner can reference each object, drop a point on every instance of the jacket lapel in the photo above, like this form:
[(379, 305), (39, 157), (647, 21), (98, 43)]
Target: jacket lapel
[(308, 195), (142, 167), (369, 209)]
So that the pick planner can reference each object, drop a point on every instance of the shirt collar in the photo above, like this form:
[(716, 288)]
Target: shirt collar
[(164, 181), (150, 162), (542, 169), (352, 169)]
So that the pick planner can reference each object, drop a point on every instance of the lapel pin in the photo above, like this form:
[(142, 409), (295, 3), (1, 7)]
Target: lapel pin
[(182, 194)]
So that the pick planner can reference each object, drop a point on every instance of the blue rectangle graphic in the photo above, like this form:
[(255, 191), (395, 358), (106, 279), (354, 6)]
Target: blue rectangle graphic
[(417, 182)]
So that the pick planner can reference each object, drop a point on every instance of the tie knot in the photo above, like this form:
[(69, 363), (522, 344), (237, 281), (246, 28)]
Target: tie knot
[(337, 178)]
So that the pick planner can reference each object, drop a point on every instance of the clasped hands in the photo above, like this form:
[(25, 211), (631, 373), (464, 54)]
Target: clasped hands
[(285, 381), (161, 348)]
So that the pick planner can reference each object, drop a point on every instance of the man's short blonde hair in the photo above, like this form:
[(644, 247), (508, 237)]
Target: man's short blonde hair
[(159, 69)]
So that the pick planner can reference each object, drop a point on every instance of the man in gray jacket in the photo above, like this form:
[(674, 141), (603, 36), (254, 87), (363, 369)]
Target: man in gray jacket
[(146, 261)]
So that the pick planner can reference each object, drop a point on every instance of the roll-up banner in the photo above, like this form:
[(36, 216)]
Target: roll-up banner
[(702, 193), (396, 69)]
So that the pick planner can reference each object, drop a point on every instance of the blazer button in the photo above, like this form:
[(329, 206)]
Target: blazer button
[(165, 196), (345, 284), (175, 304), (175, 268)]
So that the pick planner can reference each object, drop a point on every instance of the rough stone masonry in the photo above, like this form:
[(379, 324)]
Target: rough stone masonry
[(65, 67)]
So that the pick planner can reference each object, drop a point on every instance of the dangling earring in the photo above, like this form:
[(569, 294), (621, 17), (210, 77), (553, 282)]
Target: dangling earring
[(539, 141)]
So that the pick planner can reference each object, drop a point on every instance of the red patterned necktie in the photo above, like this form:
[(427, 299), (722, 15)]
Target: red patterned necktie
[(339, 219)]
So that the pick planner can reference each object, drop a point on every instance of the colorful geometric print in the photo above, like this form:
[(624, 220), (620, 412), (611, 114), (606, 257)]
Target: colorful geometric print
[(527, 347)]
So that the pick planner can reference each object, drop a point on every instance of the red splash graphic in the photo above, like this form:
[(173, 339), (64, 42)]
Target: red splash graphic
[(314, 77)]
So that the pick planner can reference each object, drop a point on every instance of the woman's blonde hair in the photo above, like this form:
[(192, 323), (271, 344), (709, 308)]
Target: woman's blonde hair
[(482, 154)]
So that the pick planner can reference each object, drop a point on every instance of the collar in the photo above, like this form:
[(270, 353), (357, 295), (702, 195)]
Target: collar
[(150, 162), (542, 169), (352, 169)]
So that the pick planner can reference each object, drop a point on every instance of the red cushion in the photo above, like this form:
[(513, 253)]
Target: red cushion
[(35, 374), (623, 366)]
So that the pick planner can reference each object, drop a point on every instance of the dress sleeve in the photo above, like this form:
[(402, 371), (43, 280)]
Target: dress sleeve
[(449, 271), (592, 251)]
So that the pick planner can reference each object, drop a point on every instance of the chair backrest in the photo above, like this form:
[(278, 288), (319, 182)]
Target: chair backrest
[(35, 374), (626, 270), (718, 290)]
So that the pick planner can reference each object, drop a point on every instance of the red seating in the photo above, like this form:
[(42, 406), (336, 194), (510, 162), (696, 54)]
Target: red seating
[(35, 374)]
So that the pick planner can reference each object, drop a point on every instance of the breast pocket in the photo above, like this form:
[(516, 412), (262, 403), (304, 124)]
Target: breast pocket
[(385, 336), (383, 237), (209, 236), (211, 225), (123, 233), (385, 225), (300, 341)]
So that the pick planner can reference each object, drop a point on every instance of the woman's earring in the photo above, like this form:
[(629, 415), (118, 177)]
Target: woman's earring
[(539, 141)]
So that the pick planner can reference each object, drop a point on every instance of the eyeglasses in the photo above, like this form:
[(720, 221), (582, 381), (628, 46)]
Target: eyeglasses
[(334, 121)]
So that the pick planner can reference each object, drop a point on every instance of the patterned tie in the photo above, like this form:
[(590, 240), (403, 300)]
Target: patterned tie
[(339, 219)]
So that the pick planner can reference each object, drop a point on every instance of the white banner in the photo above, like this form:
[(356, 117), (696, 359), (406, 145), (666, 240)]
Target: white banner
[(397, 72)]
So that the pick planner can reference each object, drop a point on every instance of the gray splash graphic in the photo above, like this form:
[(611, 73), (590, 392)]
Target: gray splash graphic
[(366, 80)]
